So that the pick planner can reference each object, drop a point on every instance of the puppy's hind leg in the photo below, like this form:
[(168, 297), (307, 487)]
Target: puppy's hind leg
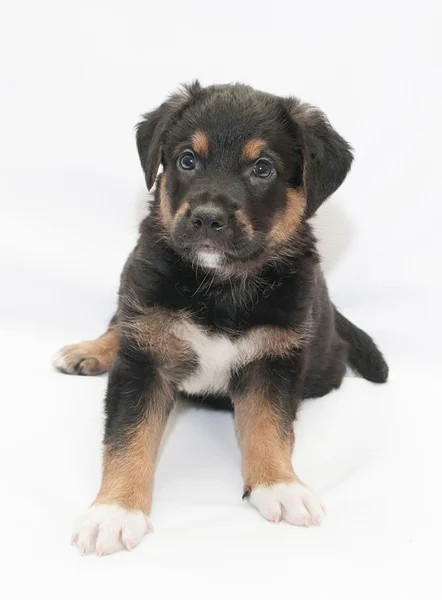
[(90, 357)]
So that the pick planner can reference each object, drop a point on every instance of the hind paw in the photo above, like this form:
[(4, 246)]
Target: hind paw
[(81, 359)]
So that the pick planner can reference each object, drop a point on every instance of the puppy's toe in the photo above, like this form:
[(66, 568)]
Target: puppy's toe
[(90, 366), (108, 528), (295, 502), (80, 359)]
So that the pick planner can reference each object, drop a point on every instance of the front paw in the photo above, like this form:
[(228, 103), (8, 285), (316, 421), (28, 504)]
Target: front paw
[(108, 528), (293, 502)]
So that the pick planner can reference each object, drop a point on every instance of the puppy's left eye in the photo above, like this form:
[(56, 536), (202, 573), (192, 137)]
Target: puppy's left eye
[(262, 168)]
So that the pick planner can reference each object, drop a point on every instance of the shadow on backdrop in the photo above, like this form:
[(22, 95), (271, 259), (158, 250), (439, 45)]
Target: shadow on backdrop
[(334, 232)]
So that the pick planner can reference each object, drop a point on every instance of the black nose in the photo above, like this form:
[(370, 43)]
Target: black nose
[(210, 218)]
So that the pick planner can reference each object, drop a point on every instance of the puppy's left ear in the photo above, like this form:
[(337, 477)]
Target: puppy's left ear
[(327, 156), (151, 132)]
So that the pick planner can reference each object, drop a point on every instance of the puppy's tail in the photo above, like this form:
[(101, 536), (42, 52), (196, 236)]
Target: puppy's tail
[(363, 356)]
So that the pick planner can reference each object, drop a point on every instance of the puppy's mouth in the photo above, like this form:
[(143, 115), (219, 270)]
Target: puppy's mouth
[(220, 248), (223, 249), (210, 247), (188, 241), (210, 254)]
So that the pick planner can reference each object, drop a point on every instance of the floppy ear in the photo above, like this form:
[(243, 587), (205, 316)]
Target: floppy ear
[(152, 130), (327, 156)]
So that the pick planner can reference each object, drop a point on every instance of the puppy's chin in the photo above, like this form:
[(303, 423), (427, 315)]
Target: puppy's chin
[(201, 257), (224, 263), (210, 260), (217, 256)]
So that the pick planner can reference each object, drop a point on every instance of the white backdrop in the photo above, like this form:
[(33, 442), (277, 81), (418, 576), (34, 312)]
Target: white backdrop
[(75, 77)]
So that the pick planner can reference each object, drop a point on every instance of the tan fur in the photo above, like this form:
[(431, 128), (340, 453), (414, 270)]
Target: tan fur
[(128, 472), (304, 175), (162, 331), (266, 449), (165, 212), (243, 220), (200, 143), (156, 330), (268, 340), (287, 223), (91, 357), (180, 213), (252, 149)]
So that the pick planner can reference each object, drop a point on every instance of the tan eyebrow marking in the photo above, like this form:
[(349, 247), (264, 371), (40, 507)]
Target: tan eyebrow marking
[(253, 148), (200, 143)]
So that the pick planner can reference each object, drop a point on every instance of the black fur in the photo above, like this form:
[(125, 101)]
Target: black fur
[(363, 355), (257, 284)]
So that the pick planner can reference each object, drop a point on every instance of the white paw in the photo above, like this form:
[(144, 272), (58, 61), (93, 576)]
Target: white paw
[(293, 502), (107, 528), (61, 363)]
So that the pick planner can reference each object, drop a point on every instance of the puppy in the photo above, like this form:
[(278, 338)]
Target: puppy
[(222, 300)]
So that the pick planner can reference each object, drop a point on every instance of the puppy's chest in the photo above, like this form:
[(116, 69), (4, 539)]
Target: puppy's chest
[(218, 356)]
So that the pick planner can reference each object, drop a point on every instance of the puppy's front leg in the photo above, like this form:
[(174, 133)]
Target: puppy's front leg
[(265, 406), (138, 402)]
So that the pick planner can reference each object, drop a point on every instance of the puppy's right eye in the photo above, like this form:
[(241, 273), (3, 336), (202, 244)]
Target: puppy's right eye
[(262, 169), (187, 161)]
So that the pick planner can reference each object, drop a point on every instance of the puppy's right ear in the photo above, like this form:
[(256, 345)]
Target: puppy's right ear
[(152, 130)]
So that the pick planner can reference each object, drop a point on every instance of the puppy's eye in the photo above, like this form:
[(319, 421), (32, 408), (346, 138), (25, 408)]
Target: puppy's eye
[(187, 161), (262, 168)]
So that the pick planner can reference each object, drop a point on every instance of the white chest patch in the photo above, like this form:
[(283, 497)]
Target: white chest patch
[(217, 357)]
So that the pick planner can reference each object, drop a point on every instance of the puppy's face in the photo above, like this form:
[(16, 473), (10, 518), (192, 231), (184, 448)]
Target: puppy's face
[(234, 183)]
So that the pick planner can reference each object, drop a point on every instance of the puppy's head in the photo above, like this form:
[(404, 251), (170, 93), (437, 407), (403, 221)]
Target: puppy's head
[(241, 170)]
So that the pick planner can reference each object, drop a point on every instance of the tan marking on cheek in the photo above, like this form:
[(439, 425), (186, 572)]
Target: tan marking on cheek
[(128, 472), (165, 213), (245, 222), (266, 450), (200, 143), (286, 224), (180, 213), (252, 149), (304, 175)]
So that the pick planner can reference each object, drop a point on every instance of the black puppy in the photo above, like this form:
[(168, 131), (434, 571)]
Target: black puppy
[(222, 300)]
